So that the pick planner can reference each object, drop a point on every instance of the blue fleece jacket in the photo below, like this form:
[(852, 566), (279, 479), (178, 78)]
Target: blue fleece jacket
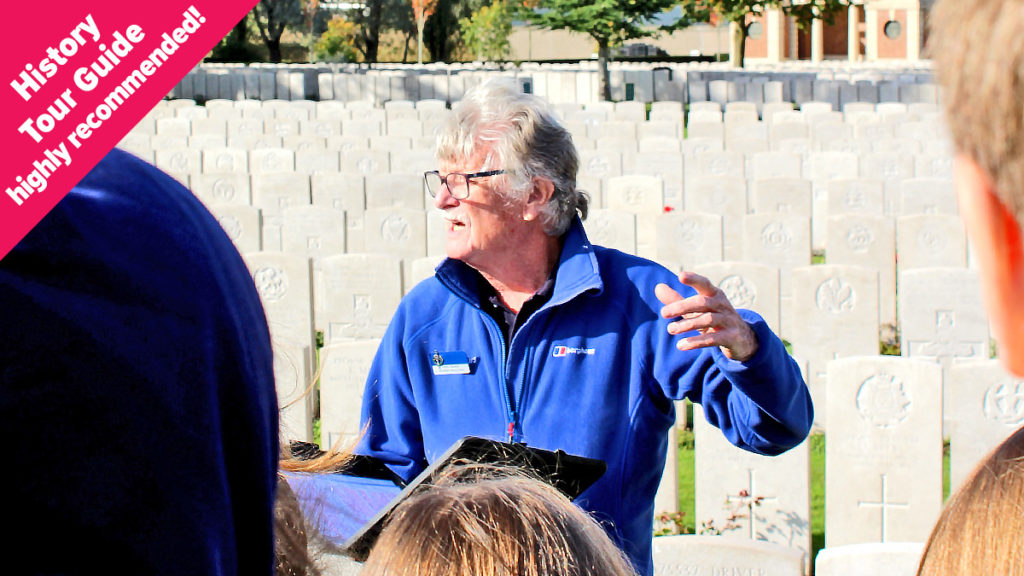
[(593, 372), (137, 401)]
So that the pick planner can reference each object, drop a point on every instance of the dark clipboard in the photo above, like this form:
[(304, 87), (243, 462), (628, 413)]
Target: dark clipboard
[(568, 473)]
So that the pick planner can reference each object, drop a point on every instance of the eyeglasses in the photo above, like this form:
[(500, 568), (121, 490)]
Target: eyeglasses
[(457, 182)]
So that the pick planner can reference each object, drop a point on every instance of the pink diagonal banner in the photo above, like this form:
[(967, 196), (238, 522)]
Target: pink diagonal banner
[(76, 77)]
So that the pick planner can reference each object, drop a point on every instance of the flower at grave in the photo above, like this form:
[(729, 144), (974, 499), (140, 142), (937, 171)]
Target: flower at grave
[(883, 401), (667, 209), (1004, 403)]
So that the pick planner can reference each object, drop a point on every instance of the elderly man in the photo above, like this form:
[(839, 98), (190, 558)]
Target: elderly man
[(530, 333)]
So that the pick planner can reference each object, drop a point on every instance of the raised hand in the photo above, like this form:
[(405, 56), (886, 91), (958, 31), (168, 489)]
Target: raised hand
[(710, 313)]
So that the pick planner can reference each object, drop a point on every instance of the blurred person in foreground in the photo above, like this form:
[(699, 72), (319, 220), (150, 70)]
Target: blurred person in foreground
[(978, 51), (529, 333), (137, 397)]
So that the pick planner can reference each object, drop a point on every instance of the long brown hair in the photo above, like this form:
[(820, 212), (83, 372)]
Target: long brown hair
[(981, 529)]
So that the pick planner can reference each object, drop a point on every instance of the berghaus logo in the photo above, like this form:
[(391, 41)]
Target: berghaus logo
[(562, 351)]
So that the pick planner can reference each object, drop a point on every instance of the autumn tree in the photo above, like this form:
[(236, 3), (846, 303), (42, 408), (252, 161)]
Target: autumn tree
[(272, 17), (741, 13), (421, 10), (609, 22)]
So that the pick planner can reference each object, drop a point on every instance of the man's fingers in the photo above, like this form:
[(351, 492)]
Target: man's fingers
[(666, 295), (705, 340), (699, 283), (696, 321)]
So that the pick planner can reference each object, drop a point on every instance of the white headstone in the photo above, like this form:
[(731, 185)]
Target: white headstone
[(225, 160), (270, 160), (782, 195), (930, 240), (871, 559), (241, 224), (987, 405), (689, 555), (612, 229), (222, 189), (284, 285), (747, 285), (883, 450), (727, 197), (776, 165), (941, 318), (342, 381), (749, 496), (356, 295), (643, 196), (686, 239), (833, 314), (400, 232), (313, 231), (343, 192), (778, 239), (856, 197), (867, 240), (294, 391), (927, 196), (395, 190)]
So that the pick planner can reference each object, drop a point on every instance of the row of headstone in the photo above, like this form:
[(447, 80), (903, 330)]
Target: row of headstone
[(558, 83)]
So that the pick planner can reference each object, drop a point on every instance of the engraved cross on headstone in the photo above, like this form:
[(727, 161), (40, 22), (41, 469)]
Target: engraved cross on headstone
[(885, 505), (750, 498)]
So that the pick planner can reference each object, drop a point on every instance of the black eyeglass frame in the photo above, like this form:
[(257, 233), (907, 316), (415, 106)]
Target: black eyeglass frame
[(444, 181)]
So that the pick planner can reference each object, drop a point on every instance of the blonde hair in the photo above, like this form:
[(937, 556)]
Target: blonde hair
[(493, 524), (978, 49), (981, 529)]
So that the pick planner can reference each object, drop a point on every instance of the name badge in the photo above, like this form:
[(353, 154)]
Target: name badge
[(443, 363)]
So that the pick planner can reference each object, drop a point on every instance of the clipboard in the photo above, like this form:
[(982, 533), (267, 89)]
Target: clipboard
[(352, 509)]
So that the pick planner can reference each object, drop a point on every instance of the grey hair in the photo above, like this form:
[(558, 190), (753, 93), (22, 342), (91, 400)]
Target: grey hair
[(523, 137)]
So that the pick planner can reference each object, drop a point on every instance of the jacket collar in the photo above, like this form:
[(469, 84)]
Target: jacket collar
[(577, 271)]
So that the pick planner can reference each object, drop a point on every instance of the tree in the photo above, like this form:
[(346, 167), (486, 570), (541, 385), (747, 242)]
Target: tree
[(235, 46), (421, 10), (338, 41), (442, 34), (740, 13), (609, 22), (272, 17), (486, 33), (377, 15)]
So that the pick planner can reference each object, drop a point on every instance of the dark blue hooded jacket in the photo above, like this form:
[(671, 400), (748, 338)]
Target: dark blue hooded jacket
[(137, 402)]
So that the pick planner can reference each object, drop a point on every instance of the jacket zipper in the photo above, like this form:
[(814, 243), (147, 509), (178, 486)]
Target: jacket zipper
[(503, 378)]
